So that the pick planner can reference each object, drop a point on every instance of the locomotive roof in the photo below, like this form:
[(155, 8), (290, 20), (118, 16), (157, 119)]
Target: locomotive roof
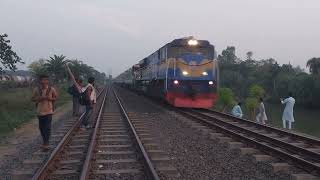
[(184, 42)]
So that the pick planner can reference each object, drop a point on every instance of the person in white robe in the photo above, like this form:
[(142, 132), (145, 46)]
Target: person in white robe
[(236, 110), (261, 116), (287, 117)]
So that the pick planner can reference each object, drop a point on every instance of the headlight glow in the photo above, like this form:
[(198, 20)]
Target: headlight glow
[(193, 42), (185, 73), (205, 73), (175, 82), (211, 82)]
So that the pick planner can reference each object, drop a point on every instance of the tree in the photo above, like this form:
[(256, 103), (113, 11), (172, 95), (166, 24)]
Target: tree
[(249, 55), (8, 58), (314, 66), (38, 67), (228, 56), (255, 92), (226, 98), (55, 66)]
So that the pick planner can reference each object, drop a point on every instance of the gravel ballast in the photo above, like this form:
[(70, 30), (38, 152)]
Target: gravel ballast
[(24, 148), (195, 155)]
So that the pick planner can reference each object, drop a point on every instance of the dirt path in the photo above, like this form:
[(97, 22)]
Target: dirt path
[(27, 133)]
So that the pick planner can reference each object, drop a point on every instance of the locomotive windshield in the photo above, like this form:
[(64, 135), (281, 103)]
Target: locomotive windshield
[(207, 52)]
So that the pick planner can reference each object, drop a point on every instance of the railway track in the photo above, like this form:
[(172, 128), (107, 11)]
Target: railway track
[(298, 150), (111, 150), (116, 150), (65, 161)]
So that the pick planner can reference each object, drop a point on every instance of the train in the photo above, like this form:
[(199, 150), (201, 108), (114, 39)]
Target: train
[(183, 72)]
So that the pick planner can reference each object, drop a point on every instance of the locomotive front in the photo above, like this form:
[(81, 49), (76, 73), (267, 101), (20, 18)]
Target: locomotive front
[(191, 73)]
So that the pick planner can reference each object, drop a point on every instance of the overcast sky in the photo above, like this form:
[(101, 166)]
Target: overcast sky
[(118, 33)]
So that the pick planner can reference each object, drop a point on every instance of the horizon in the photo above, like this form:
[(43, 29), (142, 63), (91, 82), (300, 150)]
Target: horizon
[(116, 35)]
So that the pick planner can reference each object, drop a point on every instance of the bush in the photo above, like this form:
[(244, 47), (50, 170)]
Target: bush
[(226, 98)]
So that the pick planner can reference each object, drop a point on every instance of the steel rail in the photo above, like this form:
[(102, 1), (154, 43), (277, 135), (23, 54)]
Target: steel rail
[(298, 161), (276, 142), (43, 171), (91, 150), (310, 140), (151, 170)]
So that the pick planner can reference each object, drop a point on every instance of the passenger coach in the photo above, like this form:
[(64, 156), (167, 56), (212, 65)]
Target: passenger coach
[(184, 73)]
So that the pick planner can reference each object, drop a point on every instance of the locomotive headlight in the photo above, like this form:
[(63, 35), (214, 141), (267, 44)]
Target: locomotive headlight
[(175, 82), (205, 73), (210, 82), (185, 73), (193, 42)]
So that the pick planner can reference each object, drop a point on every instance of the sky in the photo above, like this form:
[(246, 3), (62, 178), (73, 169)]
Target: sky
[(112, 35)]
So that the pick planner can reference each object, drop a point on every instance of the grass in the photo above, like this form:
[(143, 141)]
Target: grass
[(16, 107), (306, 120)]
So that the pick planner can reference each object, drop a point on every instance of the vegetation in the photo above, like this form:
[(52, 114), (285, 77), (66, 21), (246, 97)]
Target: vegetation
[(16, 107), (276, 80), (54, 66), (255, 92), (8, 58), (226, 98)]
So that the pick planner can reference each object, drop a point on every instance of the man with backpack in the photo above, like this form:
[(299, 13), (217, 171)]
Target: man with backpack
[(87, 97), (73, 90), (44, 96)]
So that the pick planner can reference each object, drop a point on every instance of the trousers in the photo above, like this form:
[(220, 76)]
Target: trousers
[(45, 127), (285, 124), (76, 106), (87, 115)]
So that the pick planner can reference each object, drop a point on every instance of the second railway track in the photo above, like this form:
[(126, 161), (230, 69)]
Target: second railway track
[(300, 151)]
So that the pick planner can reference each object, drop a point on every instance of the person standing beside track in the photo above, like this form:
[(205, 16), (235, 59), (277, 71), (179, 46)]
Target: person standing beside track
[(90, 93), (261, 116), (287, 117), (236, 110), (44, 97)]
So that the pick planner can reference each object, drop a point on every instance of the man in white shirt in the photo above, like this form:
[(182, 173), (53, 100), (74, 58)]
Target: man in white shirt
[(287, 116)]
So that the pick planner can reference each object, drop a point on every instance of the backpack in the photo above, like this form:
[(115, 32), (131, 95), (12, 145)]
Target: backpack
[(83, 98), (47, 94), (73, 91), (70, 90)]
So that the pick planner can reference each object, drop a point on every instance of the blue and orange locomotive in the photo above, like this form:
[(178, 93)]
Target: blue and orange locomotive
[(184, 73)]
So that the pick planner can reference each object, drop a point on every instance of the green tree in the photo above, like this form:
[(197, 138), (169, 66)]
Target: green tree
[(255, 92), (249, 55), (251, 104), (226, 98), (8, 58), (38, 67), (55, 66), (314, 66), (228, 56)]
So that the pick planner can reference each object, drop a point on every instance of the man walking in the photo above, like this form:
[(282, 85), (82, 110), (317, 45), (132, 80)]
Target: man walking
[(44, 97), (90, 98), (73, 90), (287, 117), (261, 116)]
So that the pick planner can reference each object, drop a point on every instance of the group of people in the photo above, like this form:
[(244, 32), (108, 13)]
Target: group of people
[(45, 95), (287, 116)]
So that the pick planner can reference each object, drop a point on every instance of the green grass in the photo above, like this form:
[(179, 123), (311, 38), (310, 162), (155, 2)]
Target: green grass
[(16, 107), (306, 120)]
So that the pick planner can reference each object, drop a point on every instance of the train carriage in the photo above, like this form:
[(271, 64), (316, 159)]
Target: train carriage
[(184, 73)]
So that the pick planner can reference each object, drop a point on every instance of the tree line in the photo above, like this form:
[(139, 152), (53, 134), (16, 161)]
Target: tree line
[(53, 66), (246, 80)]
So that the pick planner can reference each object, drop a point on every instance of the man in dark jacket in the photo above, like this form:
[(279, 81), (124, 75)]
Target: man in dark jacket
[(75, 98)]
